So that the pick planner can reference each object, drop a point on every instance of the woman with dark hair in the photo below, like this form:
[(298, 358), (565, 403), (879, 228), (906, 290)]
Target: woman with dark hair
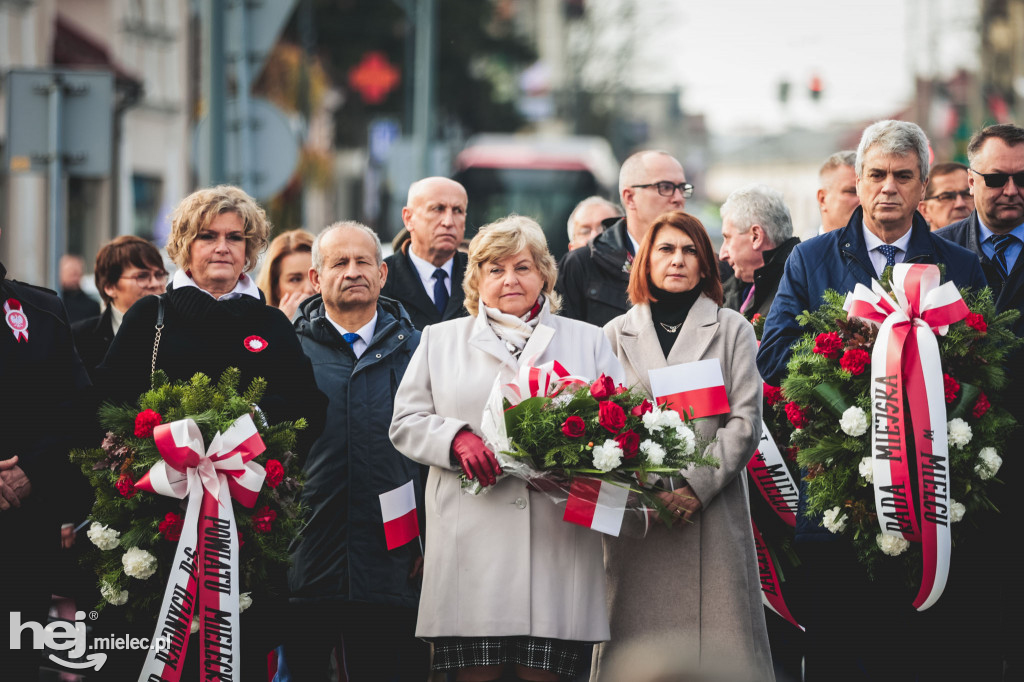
[(702, 573), (127, 269), (284, 278)]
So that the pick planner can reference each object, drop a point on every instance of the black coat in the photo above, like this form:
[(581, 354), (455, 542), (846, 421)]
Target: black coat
[(766, 282), (592, 280), (80, 305), (342, 553), (404, 285), (204, 335), (93, 337)]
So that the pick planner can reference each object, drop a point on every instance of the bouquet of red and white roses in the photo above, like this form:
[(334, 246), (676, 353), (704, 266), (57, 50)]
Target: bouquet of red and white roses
[(550, 428)]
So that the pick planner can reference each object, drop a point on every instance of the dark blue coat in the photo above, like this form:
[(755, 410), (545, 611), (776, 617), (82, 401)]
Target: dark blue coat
[(342, 554), (838, 260)]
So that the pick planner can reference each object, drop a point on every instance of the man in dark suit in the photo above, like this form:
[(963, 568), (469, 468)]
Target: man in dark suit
[(425, 274), (850, 619), (995, 233)]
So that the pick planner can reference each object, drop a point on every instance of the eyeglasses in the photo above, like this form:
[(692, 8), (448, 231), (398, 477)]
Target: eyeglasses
[(946, 197), (667, 189), (999, 179), (146, 277)]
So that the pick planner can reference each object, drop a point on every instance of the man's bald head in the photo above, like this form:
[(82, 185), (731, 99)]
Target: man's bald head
[(435, 215), (640, 197)]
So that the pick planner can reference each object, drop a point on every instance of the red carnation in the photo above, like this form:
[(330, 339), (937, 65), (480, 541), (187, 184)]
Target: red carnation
[(828, 345), (977, 321), (126, 486), (275, 473), (262, 521), (642, 409), (951, 386), (791, 453), (773, 394), (629, 441), (145, 422), (603, 387), (611, 416), (855, 360), (797, 416), (574, 427), (981, 406), (171, 527)]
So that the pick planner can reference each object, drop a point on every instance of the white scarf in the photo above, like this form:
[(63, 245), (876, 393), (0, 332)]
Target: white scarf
[(512, 330)]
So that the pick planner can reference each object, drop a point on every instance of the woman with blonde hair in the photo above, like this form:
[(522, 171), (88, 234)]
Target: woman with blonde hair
[(693, 588), (284, 277), (507, 585)]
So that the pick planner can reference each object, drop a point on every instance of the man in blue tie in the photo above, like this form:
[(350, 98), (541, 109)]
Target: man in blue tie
[(426, 271), (995, 233), (347, 586), (853, 622)]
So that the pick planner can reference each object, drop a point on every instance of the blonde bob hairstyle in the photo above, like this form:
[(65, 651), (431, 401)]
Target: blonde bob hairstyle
[(196, 211), (283, 245), (504, 238)]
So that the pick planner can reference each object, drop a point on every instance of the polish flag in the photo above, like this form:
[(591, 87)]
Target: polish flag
[(596, 504), (697, 385), (398, 507)]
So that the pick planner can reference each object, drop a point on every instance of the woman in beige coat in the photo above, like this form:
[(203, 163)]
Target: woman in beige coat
[(692, 590), (506, 582)]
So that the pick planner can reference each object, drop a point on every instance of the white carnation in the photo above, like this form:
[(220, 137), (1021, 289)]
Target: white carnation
[(244, 601), (194, 628), (112, 594), (607, 456), (960, 433), (833, 521), (670, 419), (988, 464), (867, 469), (138, 563), (956, 511), (655, 453), (687, 439), (854, 422), (891, 545), (652, 420), (103, 537)]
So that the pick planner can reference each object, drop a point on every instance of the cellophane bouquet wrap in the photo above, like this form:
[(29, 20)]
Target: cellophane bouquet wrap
[(549, 427)]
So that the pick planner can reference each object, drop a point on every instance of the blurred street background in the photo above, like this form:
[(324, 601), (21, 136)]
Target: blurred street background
[(328, 109)]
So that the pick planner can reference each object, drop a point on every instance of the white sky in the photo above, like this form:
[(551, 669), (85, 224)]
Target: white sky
[(729, 56)]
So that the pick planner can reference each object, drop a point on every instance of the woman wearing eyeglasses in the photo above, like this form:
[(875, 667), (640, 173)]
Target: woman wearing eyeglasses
[(127, 269)]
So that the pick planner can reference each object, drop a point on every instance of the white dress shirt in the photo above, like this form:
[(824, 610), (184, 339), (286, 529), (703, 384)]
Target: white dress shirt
[(426, 272)]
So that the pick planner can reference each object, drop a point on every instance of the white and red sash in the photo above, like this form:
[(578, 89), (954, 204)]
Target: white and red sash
[(771, 476), (547, 380), (16, 319), (906, 360), (203, 580), (771, 586)]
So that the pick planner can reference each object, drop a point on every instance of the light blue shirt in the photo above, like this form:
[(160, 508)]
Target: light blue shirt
[(1012, 251), (365, 334), (872, 242)]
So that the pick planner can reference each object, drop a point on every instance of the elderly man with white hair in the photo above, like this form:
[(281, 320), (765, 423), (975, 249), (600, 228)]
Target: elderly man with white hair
[(757, 238), (588, 220)]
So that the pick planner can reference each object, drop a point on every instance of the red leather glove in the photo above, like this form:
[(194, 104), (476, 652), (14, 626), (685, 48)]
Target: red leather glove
[(475, 459)]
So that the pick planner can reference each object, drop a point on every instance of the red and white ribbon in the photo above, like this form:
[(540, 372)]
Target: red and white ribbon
[(16, 319), (906, 359), (547, 380), (768, 471), (771, 586), (204, 577)]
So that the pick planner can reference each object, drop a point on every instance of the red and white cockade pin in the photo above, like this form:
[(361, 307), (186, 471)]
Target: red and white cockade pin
[(254, 344), (16, 319)]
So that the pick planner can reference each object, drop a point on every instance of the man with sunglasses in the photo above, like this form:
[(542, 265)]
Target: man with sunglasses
[(995, 232), (947, 197), (592, 280)]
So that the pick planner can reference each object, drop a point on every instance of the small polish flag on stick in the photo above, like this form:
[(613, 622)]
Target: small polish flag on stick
[(398, 507), (697, 385), (596, 504)]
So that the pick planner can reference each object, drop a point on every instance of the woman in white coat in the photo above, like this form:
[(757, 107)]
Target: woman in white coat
[(691, 591), (508, 587)]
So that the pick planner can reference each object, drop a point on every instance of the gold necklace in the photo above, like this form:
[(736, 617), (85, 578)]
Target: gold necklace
[(671, 328)]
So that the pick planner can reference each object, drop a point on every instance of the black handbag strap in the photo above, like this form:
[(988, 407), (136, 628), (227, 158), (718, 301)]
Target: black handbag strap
[(159, 330)]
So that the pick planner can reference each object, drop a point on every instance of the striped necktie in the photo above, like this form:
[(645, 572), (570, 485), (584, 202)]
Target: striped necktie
[(1001, 242)]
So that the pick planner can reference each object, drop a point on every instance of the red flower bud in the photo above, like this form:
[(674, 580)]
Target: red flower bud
[(629, 441), (642, 409), (611, 416), (126, 486), (574, 427), (602, 388), (275, 473), (171, 527)]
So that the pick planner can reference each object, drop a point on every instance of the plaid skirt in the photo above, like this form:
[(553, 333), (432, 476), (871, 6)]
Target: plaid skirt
[(564, 657)]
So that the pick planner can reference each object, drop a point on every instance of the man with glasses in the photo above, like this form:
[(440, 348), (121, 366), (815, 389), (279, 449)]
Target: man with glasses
[(995, 232), (592, 280), (127, 269), (947, 197)]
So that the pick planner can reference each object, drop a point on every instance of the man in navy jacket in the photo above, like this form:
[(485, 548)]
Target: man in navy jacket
[(853, 623)]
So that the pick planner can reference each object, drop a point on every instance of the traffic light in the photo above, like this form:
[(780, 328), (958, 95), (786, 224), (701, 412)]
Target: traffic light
[(815, 87)]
